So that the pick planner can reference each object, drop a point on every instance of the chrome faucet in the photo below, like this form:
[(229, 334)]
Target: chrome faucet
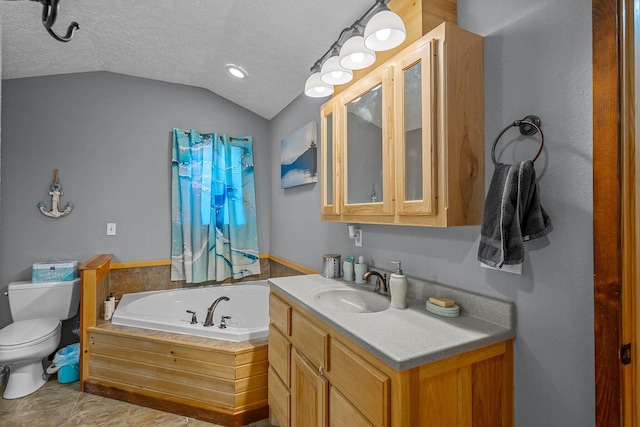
[(210, 310), (381, 282)]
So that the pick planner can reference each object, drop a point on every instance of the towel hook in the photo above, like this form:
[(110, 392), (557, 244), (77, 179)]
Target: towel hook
[(528, 126)]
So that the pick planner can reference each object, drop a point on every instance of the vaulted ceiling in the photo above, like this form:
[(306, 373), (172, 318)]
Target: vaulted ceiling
[(183, 41)]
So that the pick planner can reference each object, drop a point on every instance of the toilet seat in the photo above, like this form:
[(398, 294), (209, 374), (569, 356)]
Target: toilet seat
[(26, 333)]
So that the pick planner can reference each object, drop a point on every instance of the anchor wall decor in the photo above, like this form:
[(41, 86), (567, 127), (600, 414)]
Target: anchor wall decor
[(55, 193)]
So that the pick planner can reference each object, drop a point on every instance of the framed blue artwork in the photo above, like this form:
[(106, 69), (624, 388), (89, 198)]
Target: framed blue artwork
[(299, 157)]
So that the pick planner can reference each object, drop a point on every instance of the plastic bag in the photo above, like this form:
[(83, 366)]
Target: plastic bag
[(67, 363)]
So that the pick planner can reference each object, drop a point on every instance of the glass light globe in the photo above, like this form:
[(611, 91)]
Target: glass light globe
[(354, 55), (384, 31), (316, 88), (332, 73)]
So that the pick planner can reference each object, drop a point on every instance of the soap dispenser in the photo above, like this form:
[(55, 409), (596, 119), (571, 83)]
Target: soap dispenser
[(398, 287)]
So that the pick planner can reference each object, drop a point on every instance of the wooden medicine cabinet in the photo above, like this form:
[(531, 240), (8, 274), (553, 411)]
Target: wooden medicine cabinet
[(405, 144)]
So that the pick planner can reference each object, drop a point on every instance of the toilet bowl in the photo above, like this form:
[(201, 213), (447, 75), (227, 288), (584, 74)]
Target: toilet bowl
[(23, 346), (37, 310)]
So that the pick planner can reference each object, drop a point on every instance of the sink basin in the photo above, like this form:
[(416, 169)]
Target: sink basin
[(351, 300)]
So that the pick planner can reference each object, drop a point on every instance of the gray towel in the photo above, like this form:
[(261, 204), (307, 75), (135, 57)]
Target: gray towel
[(512, 215)]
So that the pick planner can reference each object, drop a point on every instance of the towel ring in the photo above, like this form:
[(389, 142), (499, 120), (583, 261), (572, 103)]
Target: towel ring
[(528, 126)]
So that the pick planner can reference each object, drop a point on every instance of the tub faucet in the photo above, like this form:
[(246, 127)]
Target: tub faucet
[(194, 319), (210, 310), (223, 322), (381, 282)]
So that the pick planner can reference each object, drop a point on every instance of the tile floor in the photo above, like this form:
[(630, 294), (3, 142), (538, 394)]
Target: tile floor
[(57, 405)]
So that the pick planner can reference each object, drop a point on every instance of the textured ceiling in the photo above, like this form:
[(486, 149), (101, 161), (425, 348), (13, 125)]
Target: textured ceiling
[(183, 41)]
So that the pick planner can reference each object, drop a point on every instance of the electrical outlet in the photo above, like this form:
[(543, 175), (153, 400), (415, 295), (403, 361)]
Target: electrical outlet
[(358, 238), (111, 229)]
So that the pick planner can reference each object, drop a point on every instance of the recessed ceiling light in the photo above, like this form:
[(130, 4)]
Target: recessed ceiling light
[(237, 71)]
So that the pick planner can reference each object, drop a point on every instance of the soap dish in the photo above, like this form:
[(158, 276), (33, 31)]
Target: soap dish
[(452, 311)]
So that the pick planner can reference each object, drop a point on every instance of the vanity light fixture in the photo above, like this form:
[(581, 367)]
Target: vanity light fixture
[(237, 71), (354, 51)]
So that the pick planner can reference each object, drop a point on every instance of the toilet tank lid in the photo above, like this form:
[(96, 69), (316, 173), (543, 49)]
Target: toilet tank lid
[(39, 285)]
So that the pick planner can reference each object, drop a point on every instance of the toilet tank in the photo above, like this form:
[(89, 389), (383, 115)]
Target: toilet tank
[(28, 300)]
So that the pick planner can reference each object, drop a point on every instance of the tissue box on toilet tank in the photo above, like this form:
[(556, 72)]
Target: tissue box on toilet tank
[(54, 271)]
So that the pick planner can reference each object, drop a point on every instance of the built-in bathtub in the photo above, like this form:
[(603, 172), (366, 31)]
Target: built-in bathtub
[(246, 312), (160, 360), (215, 380)]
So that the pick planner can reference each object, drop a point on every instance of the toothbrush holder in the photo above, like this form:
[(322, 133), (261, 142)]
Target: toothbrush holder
[(347, 270), (359, 270)]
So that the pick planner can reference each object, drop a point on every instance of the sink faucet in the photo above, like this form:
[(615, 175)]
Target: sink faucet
[(210, 310), (381, 282)]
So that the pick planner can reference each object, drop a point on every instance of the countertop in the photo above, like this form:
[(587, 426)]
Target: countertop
[(404, 339)]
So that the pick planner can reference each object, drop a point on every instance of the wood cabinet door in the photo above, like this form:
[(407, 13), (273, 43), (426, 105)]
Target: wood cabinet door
[(280, 314), (366, 135), (279, 399), (309, 340), (365, 387), (330, 161), (416, 130), (342, 413), (309, 393), (279, 354)]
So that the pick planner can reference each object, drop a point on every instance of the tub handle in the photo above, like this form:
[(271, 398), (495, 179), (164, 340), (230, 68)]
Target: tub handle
[(194, 319), (223, 322)]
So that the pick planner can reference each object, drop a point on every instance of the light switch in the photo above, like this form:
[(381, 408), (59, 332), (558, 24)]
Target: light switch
[(111, 229)]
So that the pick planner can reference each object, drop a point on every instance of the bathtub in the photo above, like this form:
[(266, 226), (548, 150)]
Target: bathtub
[(248, 307)]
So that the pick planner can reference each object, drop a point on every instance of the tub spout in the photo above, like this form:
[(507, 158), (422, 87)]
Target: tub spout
[(210, 310)]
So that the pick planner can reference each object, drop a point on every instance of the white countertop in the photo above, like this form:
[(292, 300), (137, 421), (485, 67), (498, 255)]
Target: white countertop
[(404, 339)]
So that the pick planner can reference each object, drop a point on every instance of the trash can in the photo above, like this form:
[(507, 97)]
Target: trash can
[(66, 363)]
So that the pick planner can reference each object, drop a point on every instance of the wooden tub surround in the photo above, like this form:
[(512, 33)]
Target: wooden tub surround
[(212, 380)]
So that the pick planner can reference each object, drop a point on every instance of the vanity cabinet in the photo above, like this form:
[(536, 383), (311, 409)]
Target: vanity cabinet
[(405, 144), (329, 383), (332, 381)]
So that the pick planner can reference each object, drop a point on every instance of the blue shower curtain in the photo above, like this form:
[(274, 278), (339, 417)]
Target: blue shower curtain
[(214, 229)]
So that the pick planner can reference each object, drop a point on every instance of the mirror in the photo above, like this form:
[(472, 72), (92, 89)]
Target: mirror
[(364, 148), (413, 132), (329, 160)]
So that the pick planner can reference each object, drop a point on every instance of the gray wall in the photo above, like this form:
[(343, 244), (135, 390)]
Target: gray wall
[(110, 137), (537, 61)]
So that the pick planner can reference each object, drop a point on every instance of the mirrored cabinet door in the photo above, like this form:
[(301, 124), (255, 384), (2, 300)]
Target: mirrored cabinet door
[(330, 188), (367, 113), (415, 132)]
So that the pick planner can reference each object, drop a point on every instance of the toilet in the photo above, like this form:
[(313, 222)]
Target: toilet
[(37, 310)]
